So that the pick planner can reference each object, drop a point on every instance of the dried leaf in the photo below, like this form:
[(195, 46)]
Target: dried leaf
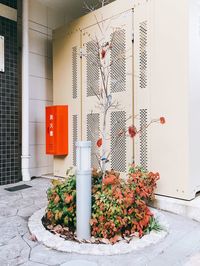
[(92, 240), (50, 227), (128, 239), (58, 229), (104, 241)]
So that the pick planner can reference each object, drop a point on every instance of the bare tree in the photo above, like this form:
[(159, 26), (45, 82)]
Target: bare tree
[(105, 102)]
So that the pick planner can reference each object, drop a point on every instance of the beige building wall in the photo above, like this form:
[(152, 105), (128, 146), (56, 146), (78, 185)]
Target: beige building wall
[(172, 91), (194, 92), (168, 96), (166, 83)]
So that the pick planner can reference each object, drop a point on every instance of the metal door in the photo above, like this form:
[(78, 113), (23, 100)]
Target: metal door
[(67, 90)]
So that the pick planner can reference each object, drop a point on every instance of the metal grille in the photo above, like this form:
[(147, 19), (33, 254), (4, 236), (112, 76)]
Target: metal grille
[(143, 55), (93, 121), (74, 72), (92, 69), (75, 136), (143, 139), (118, 144), (118, 61)]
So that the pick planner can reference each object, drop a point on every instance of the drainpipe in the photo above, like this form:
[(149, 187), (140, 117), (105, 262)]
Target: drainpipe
[(25, 93)]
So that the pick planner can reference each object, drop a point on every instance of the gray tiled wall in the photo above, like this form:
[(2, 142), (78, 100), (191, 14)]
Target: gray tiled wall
[(11, 3), (9, 104)]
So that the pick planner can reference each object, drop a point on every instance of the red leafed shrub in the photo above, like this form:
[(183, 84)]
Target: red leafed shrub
[(120, 206)]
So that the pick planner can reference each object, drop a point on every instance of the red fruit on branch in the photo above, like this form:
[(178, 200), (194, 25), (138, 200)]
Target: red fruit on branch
[(99, 142), (162, 120), (103, 53), (132, 131)]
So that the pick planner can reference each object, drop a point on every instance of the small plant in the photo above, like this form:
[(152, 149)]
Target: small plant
[(62, 203), (153, 225), (119, 207)]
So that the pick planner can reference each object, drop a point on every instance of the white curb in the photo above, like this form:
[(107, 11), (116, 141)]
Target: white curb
[(56, 242)]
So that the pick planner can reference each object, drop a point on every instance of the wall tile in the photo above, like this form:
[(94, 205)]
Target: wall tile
[(41, 89), (38, 27), (38, 43), (40, 66), (49, 47), (37, 133), (41, 22), (49, 32), (41, 170), (9, 107), (37, 12), (37, 66), (10, 3), (55, 19), (37, 110), (49, 68), (39, 157)]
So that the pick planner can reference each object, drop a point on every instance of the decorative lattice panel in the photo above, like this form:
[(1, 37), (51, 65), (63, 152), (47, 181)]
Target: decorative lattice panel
[(93, 128), (74, 72), (143, 55), (118, 61), (92, 68), (75, 136), (118, 144), (143, 139)]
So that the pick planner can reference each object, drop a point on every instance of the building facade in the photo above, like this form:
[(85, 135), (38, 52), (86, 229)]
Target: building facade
[(162, 79)]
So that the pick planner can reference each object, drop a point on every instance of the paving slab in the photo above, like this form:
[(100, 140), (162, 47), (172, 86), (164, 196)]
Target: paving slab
[(194, 260), (79, 263), (15, 252), (30, 263), (180, 248), (42, 254)]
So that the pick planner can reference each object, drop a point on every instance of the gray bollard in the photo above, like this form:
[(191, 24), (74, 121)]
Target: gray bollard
[(83, 189)]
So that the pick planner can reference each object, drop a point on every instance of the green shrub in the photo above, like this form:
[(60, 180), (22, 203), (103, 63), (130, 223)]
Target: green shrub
[(62, 203)]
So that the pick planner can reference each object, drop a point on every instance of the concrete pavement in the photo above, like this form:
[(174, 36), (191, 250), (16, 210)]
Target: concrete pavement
[(180, 247)]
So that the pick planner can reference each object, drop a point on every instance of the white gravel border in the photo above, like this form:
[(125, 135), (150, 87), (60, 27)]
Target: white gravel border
[(56, 242)]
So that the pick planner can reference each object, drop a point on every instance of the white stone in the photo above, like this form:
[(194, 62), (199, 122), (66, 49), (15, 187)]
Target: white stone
[(55, 242)]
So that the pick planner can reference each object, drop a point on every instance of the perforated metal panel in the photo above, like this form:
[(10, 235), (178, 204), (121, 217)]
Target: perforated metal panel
[(75, 136), (74, 72), (67, 91), (143, 139), (118, 144), (93, 128), (119, 85), (118, 61), (92, 68), (143, 55)]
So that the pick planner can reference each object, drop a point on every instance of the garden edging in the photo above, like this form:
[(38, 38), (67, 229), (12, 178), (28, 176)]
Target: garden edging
[(56, 242)]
